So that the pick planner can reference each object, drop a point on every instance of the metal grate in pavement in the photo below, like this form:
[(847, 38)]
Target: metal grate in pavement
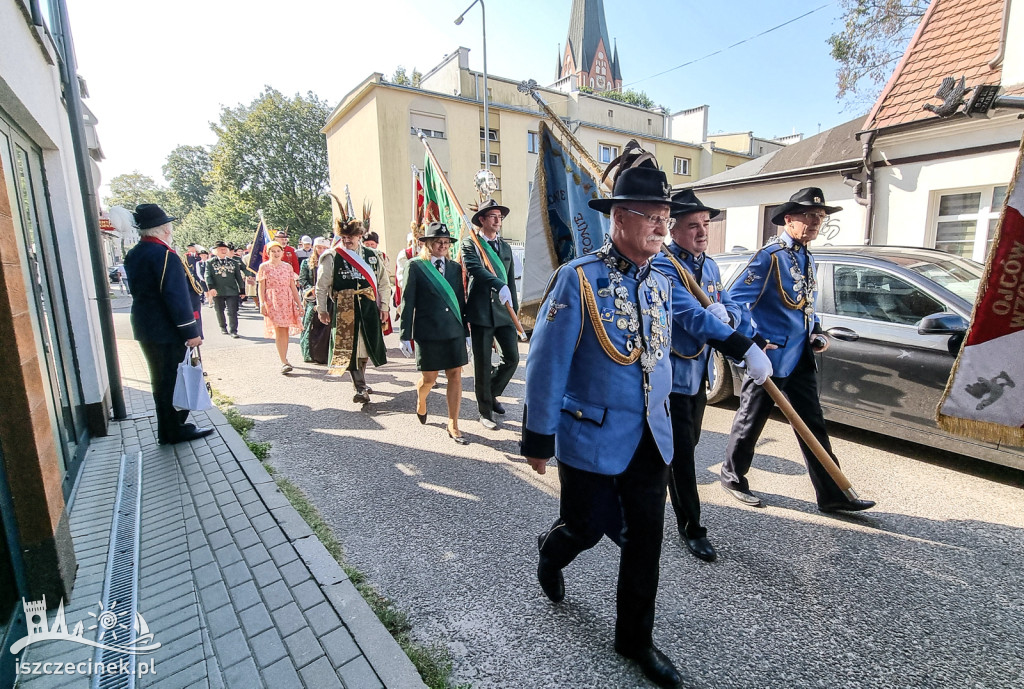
[(116, 622)]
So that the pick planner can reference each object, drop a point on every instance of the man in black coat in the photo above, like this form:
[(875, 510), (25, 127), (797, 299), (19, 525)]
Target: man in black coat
[(486, 310), (164, 319)]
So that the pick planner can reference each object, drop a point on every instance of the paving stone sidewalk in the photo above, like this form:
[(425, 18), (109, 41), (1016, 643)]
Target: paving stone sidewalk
[(232, 583)]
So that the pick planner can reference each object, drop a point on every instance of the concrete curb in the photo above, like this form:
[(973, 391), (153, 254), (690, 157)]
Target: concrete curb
[(385, 656)]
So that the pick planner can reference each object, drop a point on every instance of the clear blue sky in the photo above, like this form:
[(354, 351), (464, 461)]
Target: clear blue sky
[(158, 73)]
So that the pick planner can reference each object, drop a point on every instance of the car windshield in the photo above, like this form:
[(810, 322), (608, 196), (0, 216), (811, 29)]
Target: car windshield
[(959, 275)]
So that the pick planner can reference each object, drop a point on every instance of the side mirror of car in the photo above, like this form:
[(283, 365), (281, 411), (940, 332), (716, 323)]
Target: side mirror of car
[(942, 324)]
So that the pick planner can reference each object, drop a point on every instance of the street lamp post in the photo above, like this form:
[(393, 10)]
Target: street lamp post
[(487, 122)]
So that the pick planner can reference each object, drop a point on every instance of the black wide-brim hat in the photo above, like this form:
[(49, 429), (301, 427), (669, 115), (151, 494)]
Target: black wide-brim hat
[(692, 203), (150, 215), (436, 230), (806, 199), (489, 206), (220, 244), (638, 184)]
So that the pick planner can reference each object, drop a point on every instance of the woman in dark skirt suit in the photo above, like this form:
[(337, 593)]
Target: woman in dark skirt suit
[(433, 315)]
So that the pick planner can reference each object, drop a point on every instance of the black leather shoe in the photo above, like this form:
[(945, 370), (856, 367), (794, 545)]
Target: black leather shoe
[(846, 505), (744, 496), (655, 665), (551, 581), (187, 435), (421, 417), (701, 548), (361, 397), (498, 407)]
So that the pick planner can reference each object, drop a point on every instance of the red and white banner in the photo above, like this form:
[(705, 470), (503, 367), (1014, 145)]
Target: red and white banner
[(984, 398)]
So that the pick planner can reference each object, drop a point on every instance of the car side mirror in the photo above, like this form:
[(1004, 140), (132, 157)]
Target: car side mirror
[(942, 324)]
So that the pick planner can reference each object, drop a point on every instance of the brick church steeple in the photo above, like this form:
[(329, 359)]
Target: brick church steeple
[(589, 55)]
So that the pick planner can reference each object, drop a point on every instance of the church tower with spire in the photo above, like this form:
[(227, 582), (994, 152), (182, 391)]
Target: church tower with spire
[(589, 56)]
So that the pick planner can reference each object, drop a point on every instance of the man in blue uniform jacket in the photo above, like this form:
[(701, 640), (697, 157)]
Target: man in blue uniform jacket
[(598, 379), (163, 317), (685, 253), (778, 286)]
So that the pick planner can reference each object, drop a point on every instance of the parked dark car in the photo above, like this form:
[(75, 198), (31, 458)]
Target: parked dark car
[(896, 317)]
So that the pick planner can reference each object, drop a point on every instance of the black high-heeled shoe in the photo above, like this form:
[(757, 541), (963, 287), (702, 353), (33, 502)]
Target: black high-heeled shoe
[(421, 417), (457, 438)]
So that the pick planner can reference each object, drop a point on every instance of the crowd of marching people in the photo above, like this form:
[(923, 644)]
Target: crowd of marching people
[(337, 295), (615, 384)]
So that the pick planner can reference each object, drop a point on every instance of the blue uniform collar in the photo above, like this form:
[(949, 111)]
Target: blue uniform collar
[(785, 240), (688, 258), (615, 259)]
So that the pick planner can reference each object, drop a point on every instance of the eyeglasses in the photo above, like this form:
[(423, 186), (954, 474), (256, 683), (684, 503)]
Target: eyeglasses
[(669, 223), (819, 216), (442, 242)]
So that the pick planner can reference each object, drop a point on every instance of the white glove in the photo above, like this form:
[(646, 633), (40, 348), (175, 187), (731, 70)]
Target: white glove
[(505, 295), (469, 346), (717, 309), (407, 347), (757, 364)]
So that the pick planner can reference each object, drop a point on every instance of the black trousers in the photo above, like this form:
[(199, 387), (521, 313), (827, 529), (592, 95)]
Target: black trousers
[(219, 303), (801, 388), (163, 359), (489, 382), (687, 417), (584, 516)]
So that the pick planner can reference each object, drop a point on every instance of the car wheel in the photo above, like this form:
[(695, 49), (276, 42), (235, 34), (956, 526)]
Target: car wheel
[(719, 385)]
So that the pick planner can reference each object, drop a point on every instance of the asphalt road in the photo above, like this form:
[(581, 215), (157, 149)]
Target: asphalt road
[(923, 591)]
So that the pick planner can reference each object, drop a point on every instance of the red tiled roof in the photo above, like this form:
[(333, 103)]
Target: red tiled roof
[(956, 38)]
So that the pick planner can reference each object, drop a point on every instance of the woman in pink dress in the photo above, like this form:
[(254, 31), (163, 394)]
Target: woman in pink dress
[(279, 301)]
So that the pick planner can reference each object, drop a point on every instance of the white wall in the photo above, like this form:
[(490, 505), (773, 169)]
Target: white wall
[(905, 193), (744, 206), (31, 96)]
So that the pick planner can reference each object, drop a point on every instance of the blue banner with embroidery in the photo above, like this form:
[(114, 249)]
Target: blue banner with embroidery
[(574, 227)]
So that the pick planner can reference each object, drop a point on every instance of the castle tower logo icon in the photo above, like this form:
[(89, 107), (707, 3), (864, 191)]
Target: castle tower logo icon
[(109, 629)]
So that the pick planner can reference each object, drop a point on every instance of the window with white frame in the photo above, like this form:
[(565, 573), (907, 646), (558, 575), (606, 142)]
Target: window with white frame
[(430, 124), (492, 134), (681, 166), (532, 142), (607, 153), (494, 158), (966, 220)]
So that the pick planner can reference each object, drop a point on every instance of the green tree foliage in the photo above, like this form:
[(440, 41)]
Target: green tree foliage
[(403, 79), (271, 155), (637, 98), (187, 170), (133, 188), (875, 34)]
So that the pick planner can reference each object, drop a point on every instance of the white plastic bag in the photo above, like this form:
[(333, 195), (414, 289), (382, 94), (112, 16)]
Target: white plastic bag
[(189, 387)]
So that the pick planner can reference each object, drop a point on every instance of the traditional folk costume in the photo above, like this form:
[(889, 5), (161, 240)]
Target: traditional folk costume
[(356, 283)]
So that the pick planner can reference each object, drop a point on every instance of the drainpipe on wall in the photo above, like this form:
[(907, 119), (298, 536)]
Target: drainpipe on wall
[(73, 100), (869, 188)]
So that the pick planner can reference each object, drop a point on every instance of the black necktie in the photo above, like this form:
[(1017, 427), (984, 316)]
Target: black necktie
[(440, 265), (494, 244)]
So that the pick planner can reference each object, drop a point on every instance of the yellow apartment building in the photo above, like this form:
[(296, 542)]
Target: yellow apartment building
[(372, 143)]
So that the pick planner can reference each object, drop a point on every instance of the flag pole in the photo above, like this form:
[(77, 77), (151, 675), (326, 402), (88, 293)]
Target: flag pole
[(472, 230), (530, 88), (784, 404)]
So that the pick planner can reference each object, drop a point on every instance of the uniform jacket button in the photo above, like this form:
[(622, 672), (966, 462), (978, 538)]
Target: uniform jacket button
[(579, 414)]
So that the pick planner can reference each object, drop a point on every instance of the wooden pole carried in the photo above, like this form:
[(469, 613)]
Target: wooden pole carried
[(784, 404), (469, 226)]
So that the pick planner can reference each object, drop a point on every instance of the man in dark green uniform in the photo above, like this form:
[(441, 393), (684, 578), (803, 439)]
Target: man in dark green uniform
[(355, 279), (226, 282), (489, 319)]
